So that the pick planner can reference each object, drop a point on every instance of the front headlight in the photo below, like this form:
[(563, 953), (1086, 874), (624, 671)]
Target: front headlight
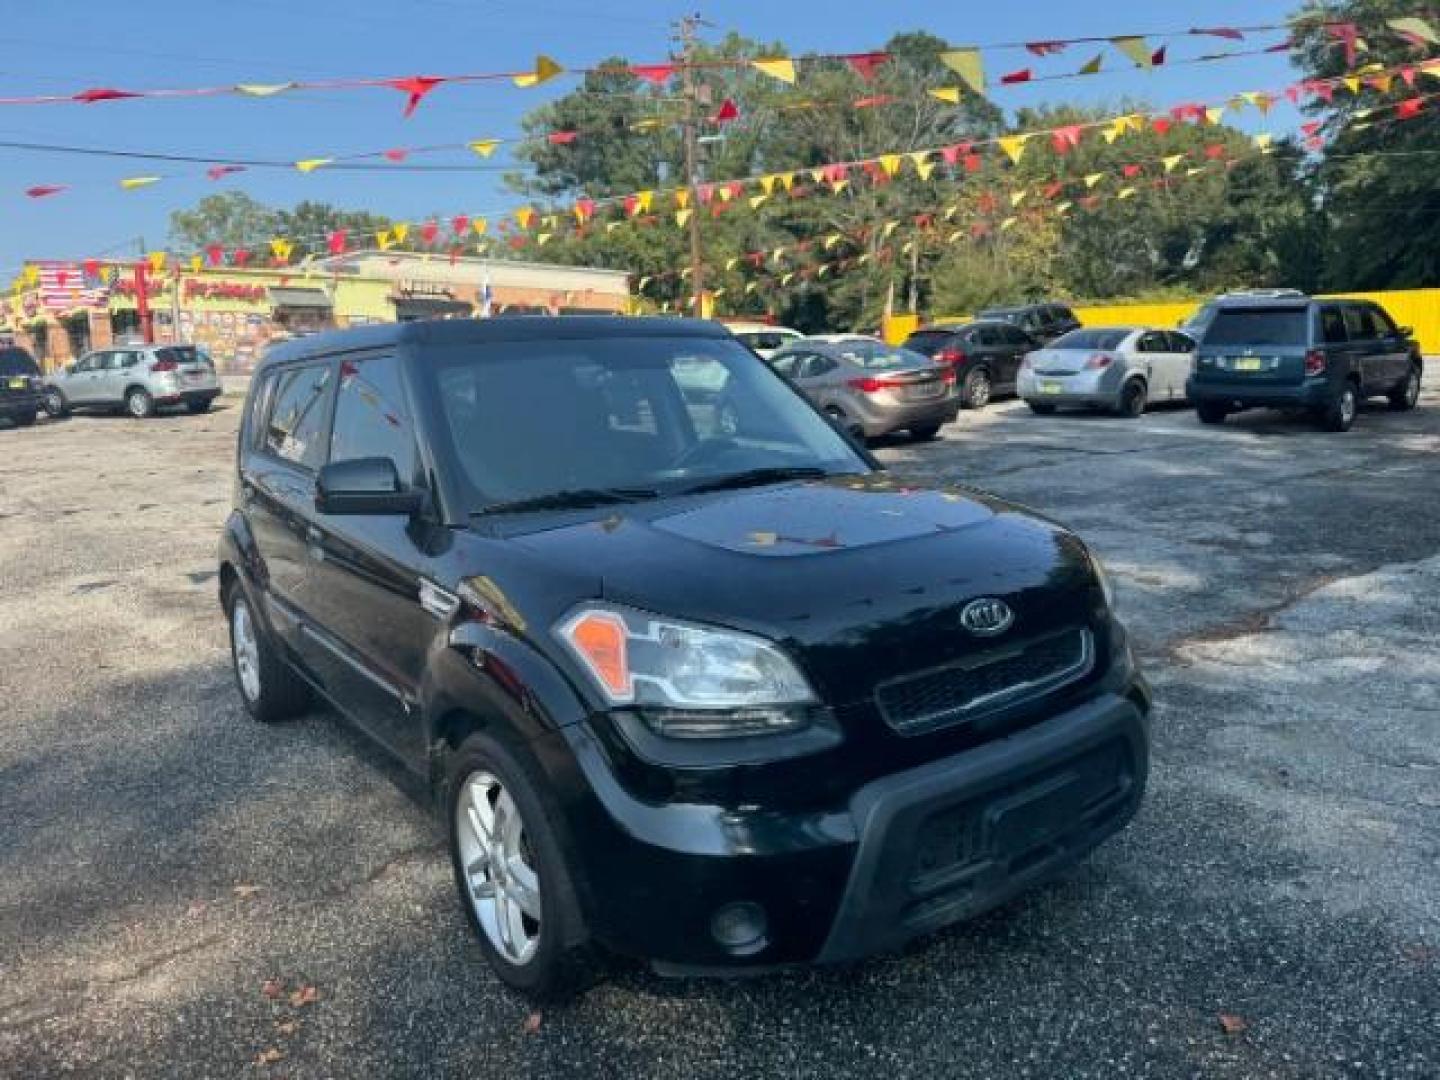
[(686, 680)]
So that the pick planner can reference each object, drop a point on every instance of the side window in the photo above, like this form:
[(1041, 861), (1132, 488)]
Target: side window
[(785, 365), (1356, 325), (986, 335), (259, 401), (818, 365), (118, 361), (1013, 335), (1384, 325), (1179, 343), (1332, 325), (1149, 343), (372, 418), (93, 362), (295, 426)]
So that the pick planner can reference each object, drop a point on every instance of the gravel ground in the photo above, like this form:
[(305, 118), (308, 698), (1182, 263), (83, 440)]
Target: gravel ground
[(162, 858)]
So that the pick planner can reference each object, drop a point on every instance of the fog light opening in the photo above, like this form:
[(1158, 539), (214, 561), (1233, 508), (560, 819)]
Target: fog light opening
[(739, 928)]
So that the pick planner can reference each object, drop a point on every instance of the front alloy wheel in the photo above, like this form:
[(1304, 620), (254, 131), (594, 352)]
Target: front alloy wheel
[(1407, 394), (247, 651), (54, 404), (978, 389), (499, 866)]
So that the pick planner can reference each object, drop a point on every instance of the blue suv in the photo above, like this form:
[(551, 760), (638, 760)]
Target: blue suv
[(1324, 356)]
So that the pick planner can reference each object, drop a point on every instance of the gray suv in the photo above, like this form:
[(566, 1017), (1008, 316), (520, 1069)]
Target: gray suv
[(139, 379)]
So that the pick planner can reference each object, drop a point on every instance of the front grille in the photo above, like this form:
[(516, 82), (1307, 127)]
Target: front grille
[(987, 681)]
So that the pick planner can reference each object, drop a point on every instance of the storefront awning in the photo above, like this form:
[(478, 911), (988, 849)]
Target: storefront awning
[(284, 296)]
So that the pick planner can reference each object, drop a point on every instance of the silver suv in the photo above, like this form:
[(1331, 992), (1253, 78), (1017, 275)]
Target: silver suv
[(137, 378)]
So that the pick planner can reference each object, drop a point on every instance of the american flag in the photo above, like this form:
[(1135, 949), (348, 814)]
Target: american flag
[(64, 286)]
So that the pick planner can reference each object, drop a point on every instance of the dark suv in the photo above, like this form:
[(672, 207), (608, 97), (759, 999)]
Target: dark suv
[(712, 696), (986, 356), (1324, 356), (1043, 322), (20, 389)]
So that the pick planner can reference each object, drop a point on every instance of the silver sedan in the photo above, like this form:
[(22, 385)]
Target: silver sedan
[(1118, 368)]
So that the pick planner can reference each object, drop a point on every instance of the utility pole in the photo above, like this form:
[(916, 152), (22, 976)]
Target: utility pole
[(685, 34)]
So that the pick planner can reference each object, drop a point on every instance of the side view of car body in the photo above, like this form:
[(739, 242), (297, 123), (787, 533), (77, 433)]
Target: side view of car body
[(20, 386), (1120, 369), (985, 355), (871, 388), (762, 337), (1043, 322), (140, 379), (1322, 356)]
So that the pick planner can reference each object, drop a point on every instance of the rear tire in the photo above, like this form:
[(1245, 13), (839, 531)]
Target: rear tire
[(1404, 397), (139, 404), (55, 405), (926, 433), (1042, 408), (200, 406), (1340, 413), (977, 390), (546, 958), (268, 685), (1132, 400), (1211, 413)]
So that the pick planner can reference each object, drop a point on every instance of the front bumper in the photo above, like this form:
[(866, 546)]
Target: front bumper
[(26, 403), (904, 855), (1314, 393)]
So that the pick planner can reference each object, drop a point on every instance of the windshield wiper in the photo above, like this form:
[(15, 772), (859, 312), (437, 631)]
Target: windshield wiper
[(574, 499), (773, 474)]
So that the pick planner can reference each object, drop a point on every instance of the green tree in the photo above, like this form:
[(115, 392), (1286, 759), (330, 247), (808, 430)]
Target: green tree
[(231, 219), (309, 223)]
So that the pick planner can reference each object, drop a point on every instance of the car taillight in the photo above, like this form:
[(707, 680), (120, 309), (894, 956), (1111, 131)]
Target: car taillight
[(868, 385), (950, 356), (162, 366), (1314, 362), (947, 374), (1099, 360)]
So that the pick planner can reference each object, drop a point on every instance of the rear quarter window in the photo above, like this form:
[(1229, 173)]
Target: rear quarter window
[(1259, 326)]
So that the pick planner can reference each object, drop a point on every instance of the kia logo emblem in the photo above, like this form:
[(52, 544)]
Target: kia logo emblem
[(987, 617)]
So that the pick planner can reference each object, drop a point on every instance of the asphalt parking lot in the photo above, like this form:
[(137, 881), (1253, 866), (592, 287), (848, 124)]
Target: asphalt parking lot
[(1273, 911)]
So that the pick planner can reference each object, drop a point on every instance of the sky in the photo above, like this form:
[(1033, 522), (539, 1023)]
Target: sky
[(54, 47)]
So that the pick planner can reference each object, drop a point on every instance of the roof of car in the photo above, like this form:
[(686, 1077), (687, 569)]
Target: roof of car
[(742, 327), (484, 331), (837, 339)]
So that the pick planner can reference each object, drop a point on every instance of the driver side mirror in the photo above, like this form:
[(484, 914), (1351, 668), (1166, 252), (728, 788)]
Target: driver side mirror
[(365, 486), (1405, 331)]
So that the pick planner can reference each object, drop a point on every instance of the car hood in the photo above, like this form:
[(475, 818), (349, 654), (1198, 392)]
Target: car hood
[(861, 577)]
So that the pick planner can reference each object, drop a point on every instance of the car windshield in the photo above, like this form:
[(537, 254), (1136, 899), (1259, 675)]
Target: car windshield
[(544, 424), (1090, 339), (1258, 326), (17, 362), (877, 355)]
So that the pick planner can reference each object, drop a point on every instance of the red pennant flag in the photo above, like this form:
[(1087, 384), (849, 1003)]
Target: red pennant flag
[(972, 162), (240, 256), (871, 102), (727, 112), (1311, 127), (1293, 93), (517, 242), (103, 93), (562, 138), (1045, 48), (336, 242), (1090, 202), (40, 191), (1065, 139), (706, 192), (1348, 35), (1161, 124), (584, 209), (1325, 91), (1189, 111), (1409, 108), (429, 231), (1283, 46), (91, 267), (655, 74), (460, 224), (866, 63), (1215, 151), (951, 154), (1219, 31), (1130, 171), (217, 171), (737, 189), (62, 278), (1157, 57), (1054, 188), (215, 254), (397, 155), (1013, 77), (631, 202), (416, 87), (1408, 74)]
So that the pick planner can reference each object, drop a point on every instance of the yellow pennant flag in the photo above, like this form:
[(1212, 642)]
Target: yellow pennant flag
[(750, 286), (948, 94), (777, 253), (951, 211), (831, 241), (542, 239), (1110, 134), (757, 200), (1353, 83), (401, 231), (954, 236), (890, 163), (130, 183), (1014, 146), (907, 247), (731, 263), (767, 183), (480, 225), (264, 89), (1195, 170), (682, 198), (383, 239), (196, 262), (525, 215), (890, 227), (782, 68), (643, 201), (1263, 140), (157, 261), (550, 221), (923, 169), (1125, 193), (1093, 179), (309, 165), (822, 270), (1017, 197), (789, 277), (1063, 207), (1135, 48), (281, 248), (837, 186), (1215, 114), (484, 147), (1414, 27), (968, 65), (862, 259), (815, 174), (1008, 223), (545, 70), (918, 157), (1093, 65), (32, 274), (787, 180), (1171, 161), (640, 285), (1429, 67)]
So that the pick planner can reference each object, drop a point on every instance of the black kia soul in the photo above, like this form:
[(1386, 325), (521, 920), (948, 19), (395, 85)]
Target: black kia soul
[(718, 695)]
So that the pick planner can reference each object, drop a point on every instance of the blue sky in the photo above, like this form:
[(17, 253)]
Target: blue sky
[(66, 47)]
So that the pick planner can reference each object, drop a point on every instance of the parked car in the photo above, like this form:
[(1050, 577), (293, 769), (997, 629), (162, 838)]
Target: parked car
[(139, 379), (872, 388), (20, 392), (712, 700), (762, 337), (1324, 356), (985, 356), (1195, 324), (1120, 368), (1043, 322)]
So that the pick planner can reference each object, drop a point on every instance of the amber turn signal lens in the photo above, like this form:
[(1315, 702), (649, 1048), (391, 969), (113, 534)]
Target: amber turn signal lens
[(599, 638)]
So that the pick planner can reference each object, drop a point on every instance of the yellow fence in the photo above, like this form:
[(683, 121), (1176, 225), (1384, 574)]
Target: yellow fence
[(1415, 308)]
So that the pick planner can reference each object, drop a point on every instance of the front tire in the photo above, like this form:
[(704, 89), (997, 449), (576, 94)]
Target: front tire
[(55, 405), (139, 404), (1211, 413), (1132, 400), (513, 876), (1404, 397), (268, 686), (977, 390), (1340, 413)]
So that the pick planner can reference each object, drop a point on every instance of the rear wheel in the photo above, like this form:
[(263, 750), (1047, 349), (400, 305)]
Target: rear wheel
[(200, 405), (139, 404), (977, 390), (1404, 396), (1340, 413), (1042, 408), (925, 433), (269, 687), (1132, 400), (54, 404), (1211, 413)]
